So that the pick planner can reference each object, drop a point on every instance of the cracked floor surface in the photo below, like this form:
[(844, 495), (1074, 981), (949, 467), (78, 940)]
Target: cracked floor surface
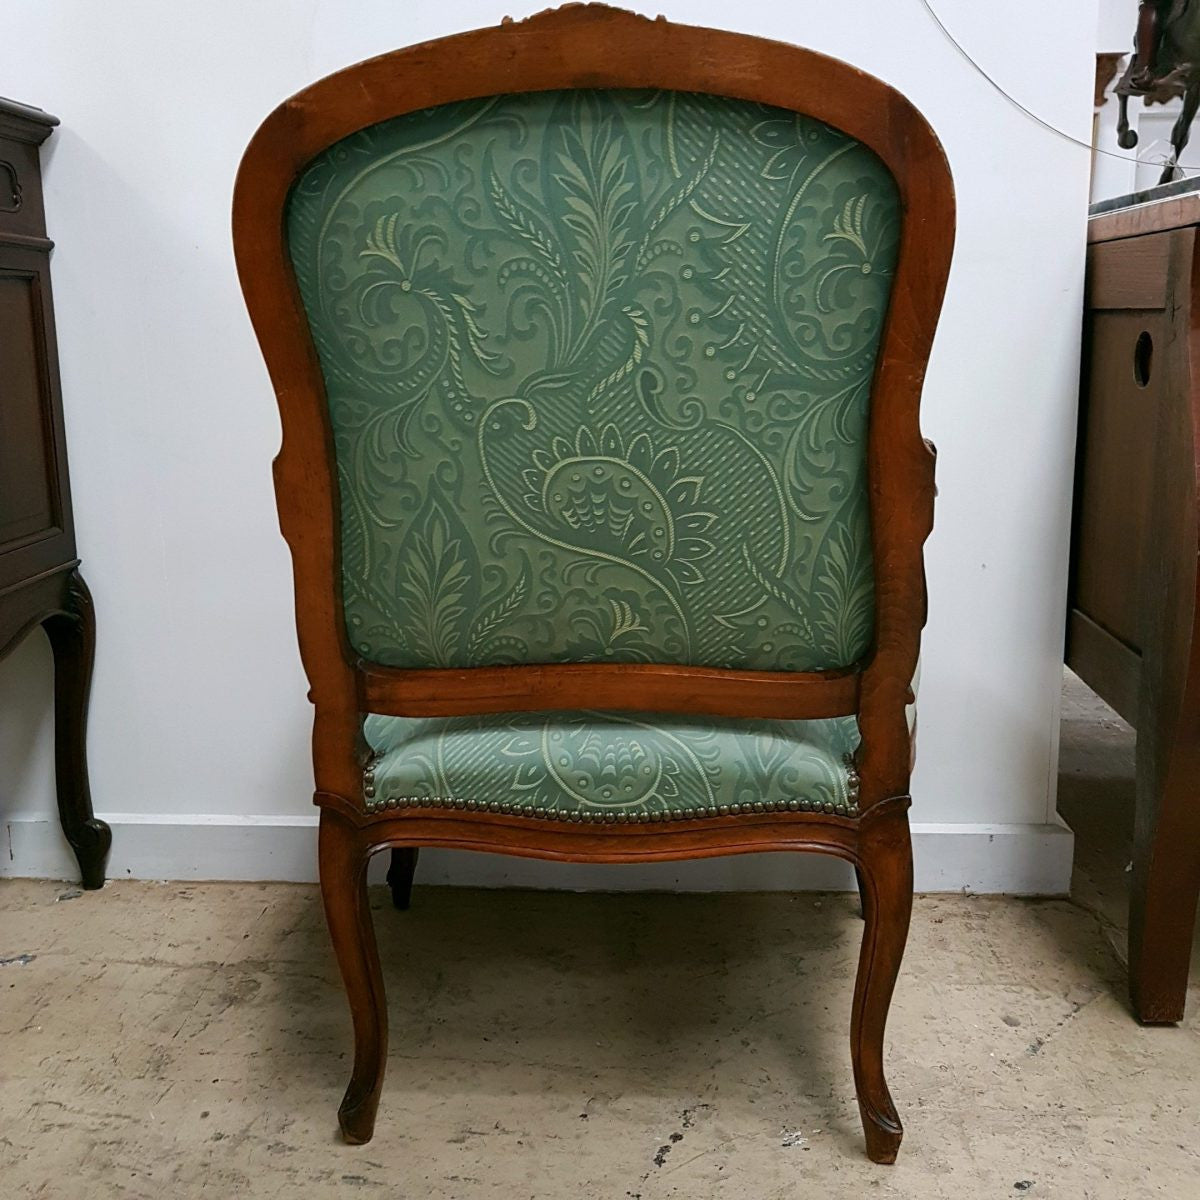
[(191, 1041)]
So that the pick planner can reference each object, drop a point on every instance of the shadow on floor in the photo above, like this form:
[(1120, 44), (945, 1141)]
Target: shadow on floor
[(1096, 791)]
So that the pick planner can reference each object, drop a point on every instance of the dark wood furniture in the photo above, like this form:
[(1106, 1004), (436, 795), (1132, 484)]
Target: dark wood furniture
[(597, 47), (1132, 632), (40, 583)]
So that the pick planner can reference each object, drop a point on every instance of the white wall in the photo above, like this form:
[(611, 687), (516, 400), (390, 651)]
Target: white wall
[(1117, 20), (199, 730)]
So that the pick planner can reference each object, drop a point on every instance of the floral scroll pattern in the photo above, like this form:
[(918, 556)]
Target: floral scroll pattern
[(612, 767), (598, 367)]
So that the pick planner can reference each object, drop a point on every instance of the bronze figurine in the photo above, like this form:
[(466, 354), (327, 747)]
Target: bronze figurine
[(1165, 64)]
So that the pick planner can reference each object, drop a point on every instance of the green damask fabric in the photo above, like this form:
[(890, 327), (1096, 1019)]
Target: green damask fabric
[(619, 767), (598, 367)]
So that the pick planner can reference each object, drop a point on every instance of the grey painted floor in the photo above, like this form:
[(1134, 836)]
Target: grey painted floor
[(181, 1041)]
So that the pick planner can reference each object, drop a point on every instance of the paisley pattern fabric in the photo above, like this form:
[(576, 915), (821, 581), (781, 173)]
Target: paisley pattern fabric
[(613, 767), (598, 367)]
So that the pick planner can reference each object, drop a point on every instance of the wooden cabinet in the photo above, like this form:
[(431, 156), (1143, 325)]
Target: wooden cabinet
[(1132, 625), (40, 583)]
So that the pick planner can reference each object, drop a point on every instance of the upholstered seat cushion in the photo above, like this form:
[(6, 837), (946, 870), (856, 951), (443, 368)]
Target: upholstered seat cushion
[(611, 767)]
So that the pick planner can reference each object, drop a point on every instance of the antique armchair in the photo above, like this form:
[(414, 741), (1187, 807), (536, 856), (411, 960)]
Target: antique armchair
[(598, 344)]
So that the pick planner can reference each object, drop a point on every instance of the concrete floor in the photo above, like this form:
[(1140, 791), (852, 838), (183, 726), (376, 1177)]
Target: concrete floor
[(184, 1041)]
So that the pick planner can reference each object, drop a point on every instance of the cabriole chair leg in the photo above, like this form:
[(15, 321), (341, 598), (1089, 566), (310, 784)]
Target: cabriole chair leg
[(343, 866), (885, 869)]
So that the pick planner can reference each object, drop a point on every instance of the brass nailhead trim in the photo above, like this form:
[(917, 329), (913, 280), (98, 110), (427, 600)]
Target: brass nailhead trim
[(374, 803)]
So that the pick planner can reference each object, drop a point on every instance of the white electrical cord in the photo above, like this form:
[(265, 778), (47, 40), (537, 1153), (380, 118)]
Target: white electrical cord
[(1060, 133)]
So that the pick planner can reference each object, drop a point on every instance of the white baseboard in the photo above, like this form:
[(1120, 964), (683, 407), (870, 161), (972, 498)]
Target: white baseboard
[(1016, 859)]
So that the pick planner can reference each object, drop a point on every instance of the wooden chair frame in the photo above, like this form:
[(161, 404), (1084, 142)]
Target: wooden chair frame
[(598, 47)]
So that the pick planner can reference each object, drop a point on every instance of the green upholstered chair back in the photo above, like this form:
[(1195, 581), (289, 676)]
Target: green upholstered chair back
[(598, 366)]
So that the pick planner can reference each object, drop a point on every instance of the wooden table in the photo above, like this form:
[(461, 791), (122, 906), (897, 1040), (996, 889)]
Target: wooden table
[(1132, 611)]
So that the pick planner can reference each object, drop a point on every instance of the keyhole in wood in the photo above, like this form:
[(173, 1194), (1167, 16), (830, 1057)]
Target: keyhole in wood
[(1143, 356)]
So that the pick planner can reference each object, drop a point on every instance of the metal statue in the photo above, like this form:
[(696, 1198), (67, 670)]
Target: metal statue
[(1165, 64)]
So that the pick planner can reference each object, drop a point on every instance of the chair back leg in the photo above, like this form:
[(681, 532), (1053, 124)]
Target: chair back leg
[(343, 867), (400, 875), (885, 874)]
